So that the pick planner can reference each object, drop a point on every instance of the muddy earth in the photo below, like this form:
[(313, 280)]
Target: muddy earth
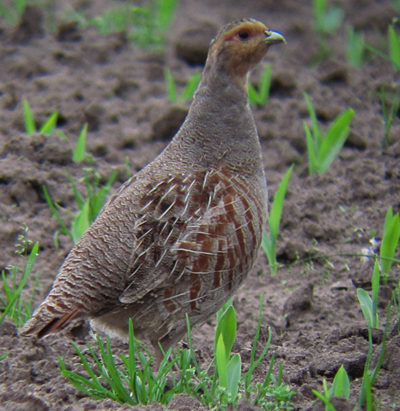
[(328, 220)]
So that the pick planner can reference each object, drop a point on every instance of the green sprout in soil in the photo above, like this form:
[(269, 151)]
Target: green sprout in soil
[(89, 207), (323, 148), (393, 48), (79, 152), (12, 10), (221, 385), (270, 237), (355, 47), (259, 96), (327, 20), (30, 125), (187, 92), (390, 241), (340, 388), (14, 280), (389, 113), (144, 26), (369, 307)]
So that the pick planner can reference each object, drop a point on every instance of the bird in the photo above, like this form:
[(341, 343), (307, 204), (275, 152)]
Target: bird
[(181, 235)]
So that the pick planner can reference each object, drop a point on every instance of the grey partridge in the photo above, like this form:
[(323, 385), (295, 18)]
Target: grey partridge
[(182, 234)]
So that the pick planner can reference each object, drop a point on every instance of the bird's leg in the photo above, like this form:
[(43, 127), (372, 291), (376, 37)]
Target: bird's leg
[(159, 355)]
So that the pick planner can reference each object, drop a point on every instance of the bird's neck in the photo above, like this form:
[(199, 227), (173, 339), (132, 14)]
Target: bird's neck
[(219, 130)]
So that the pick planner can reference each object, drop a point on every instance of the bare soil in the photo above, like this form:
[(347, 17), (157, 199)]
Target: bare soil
[(119, 91)]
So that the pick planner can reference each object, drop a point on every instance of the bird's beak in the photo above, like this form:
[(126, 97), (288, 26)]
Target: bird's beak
[(273, 37)]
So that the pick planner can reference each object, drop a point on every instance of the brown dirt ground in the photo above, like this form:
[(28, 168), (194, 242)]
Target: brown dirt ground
[(119, 90)]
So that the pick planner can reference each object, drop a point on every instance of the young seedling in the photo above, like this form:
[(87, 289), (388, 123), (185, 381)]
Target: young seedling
[(30, 125), (389, 115), (79, 154), (390, 241), (369, 305), (355, 47), (89, 208), (327, 19), (369, 308), (260, 97), (152, 23), (394, 47), (128, 383), (340, 388), (341, 384), (187, 92), (11, 302), (274, 218), (228, 369), (144, 26), (323, 149), (11, 11), (131, 380)]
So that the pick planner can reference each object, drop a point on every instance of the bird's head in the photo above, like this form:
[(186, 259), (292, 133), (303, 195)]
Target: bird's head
[(240, 46)]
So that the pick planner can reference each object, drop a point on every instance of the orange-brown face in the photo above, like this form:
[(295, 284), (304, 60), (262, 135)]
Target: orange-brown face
[(239, 46)]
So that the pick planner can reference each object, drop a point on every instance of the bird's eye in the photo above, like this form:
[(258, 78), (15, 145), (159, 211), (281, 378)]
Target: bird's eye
[(243, 35)]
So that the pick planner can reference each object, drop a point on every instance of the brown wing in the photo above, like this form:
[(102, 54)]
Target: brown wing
[(197, 239)]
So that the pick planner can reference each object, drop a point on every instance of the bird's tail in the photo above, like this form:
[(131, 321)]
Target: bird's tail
[(47, 320)]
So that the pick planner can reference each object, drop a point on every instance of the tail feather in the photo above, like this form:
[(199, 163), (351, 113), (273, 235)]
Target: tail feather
[(43, 322)]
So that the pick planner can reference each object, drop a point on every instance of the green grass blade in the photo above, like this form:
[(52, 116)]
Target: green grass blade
[(56, 214), (269, 239), (80, 201), (319, 10), (355, 47), (333, 19), (190, 87), (221, 355), (325, 400), (81, 223), (6, 290), (170, 85), (316, 132), (341, 384), (366, 305), (312, 156), (28, 269), (166, 11), (269, 247), (334, 140), (30, 126), (394, 47), (253, 365), (375, 294), (265, 85), (227, 329), (6, 14), (275, 214), (50, 124), (115, 379), (20, 6), (62, 135), (79, 153), (390, 240), (253, 95), (234, 369), (99, 199)]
